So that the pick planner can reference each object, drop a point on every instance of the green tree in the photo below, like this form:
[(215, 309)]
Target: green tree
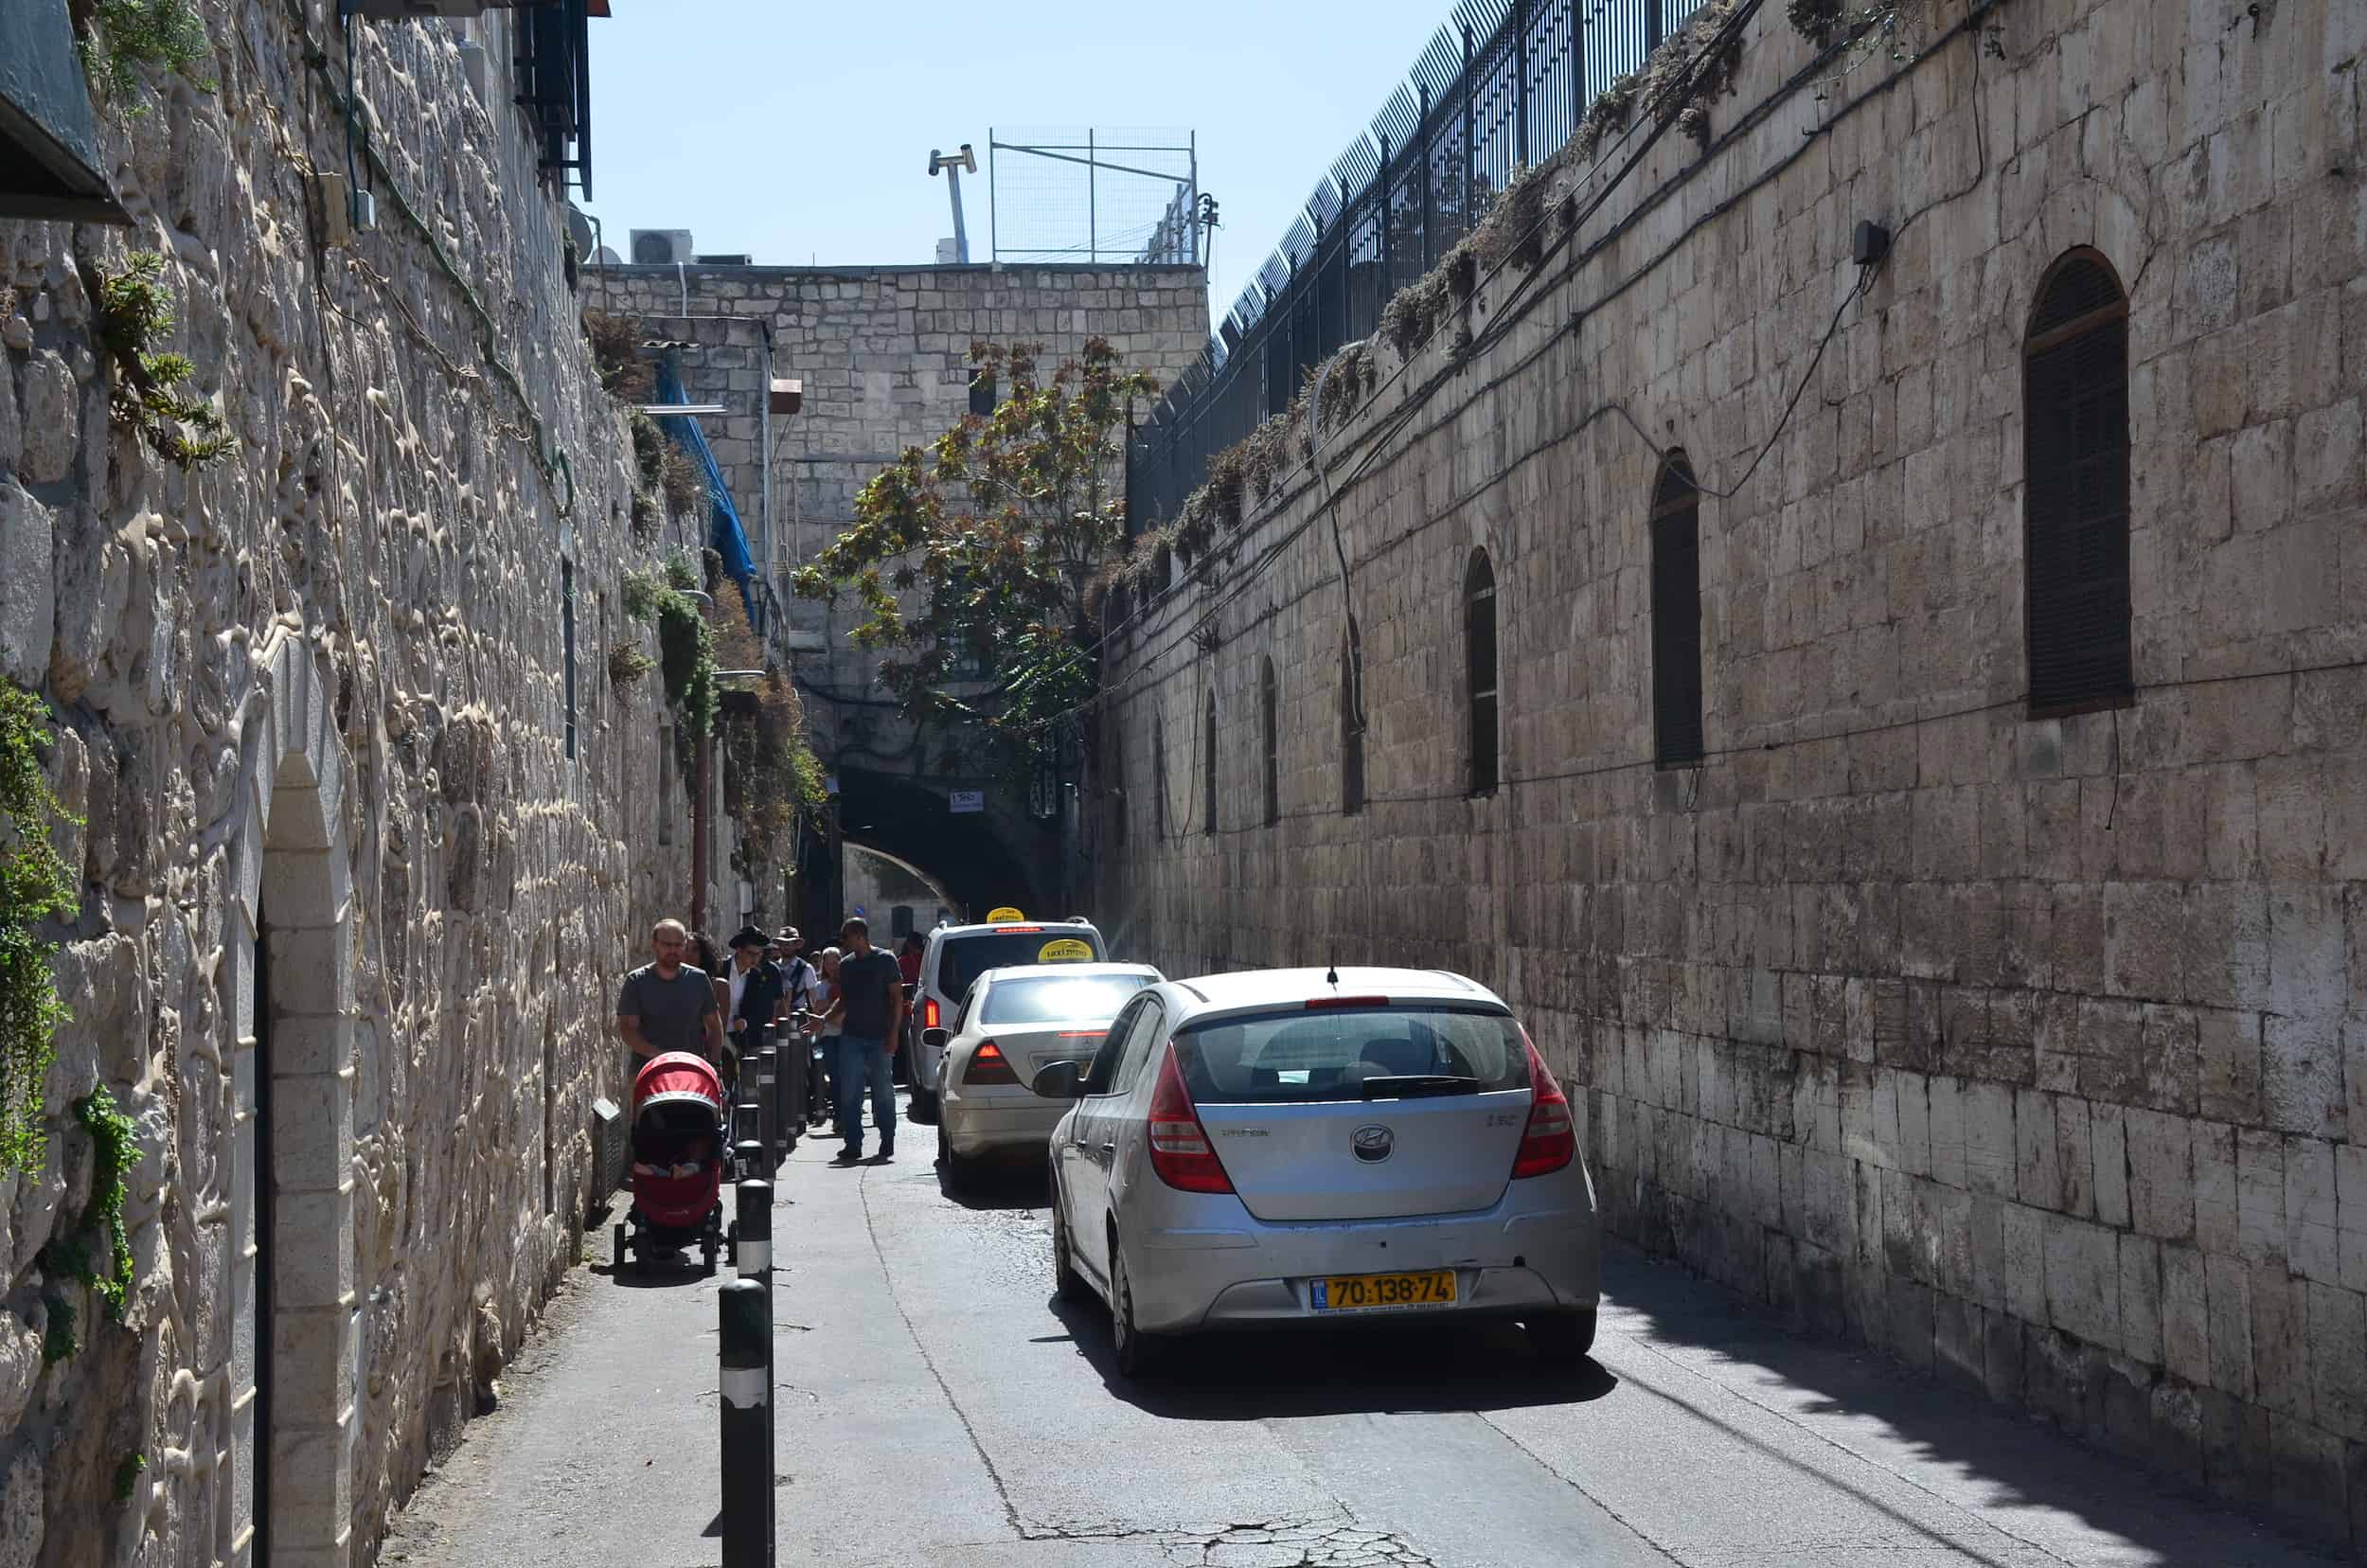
[(974, 553)]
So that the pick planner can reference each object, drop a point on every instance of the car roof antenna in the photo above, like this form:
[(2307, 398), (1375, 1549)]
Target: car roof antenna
[(1331, 976)]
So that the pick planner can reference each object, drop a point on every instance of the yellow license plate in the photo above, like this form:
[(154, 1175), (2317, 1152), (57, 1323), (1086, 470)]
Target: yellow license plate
[(1373, 1293)]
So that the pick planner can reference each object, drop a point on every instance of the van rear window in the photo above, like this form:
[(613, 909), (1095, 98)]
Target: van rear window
[(962, 959)]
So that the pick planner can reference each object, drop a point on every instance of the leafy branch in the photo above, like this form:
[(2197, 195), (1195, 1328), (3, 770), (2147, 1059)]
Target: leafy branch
[(35, 886), (134, 311), (116, 38), (969, 560)]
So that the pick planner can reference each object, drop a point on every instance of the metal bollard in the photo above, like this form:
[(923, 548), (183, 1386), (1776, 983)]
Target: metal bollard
[(754, 1223), (743, 1319), (767, 1096), (748, 1155)]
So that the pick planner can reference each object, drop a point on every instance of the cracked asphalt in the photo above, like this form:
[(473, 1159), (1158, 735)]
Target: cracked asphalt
[(936, 1406)]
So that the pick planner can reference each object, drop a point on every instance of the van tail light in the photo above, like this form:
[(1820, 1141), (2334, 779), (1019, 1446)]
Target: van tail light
[(1550, 1141), (929, 1012), (1180, 1151), (986, 1065)]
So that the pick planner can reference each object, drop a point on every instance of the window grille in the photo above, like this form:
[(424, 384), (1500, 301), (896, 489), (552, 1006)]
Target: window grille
[(567, 636), (1208, 768), (2075, 490), (1271, 703), (1675, 616), (1479, 664), (982, 393), (1351, 734)]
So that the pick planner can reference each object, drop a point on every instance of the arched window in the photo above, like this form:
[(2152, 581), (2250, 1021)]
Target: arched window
[(1270, 701), (1159, 777), (1208, 765), (1351, 730), (2075, 457), (1479, 670), (1675, 616)]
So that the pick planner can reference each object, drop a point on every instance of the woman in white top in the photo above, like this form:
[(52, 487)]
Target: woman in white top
[(825, 991)]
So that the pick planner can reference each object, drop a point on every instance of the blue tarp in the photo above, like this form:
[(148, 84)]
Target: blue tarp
[(724, 531)]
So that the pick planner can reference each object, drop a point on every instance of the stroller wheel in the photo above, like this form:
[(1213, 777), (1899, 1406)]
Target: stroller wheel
[(706, 1259), (731, 1244)]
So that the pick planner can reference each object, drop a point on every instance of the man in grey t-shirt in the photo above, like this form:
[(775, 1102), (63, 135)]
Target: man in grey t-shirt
[(667, 1005)]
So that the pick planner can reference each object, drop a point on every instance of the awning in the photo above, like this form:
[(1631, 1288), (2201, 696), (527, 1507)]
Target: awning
[(49, 149)]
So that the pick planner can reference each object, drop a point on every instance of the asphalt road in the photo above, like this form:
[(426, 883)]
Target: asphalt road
[(936, 1407)]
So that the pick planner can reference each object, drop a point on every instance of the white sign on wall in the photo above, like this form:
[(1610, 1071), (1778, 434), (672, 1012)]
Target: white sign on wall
[(964, 800)]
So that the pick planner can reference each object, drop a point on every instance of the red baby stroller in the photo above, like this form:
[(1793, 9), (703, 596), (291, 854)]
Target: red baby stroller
[(678, 1151)]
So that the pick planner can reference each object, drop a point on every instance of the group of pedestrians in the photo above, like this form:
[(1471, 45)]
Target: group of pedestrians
[(850, 1001)]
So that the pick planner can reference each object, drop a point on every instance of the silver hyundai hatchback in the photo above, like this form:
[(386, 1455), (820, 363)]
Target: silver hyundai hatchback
[(1308, 1146)]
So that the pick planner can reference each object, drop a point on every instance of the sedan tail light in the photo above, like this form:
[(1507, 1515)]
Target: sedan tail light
[(986, 1065), (929, 1012), (1180, 1151), (1550, 1141)]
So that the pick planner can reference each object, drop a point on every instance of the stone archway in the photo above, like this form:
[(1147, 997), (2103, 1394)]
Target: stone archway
[(291, 1413)]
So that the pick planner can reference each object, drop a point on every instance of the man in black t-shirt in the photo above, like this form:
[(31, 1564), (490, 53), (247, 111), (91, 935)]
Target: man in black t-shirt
[(870, 1010)]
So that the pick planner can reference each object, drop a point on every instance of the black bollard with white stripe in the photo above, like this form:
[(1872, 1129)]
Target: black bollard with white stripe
[(768, 1112), (753, 1222), (744, 1320)]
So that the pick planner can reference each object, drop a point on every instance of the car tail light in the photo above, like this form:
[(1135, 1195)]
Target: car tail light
[(1180, 1151), (1549, 1142), (929, 1012), (987, 1066), (1313, 1002)]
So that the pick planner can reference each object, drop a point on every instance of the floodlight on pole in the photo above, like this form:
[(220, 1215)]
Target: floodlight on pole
[(953, 168)]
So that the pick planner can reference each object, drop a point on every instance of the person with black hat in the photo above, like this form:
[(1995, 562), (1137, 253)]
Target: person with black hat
[(757, 984)]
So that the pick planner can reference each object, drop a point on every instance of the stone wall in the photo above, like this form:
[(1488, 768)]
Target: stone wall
[(2026, 1049), (360, 862), (884, 353)]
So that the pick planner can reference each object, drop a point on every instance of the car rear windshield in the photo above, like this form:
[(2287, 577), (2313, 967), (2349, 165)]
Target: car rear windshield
[(965, 958), (1052, 1000), (1328, 1053)]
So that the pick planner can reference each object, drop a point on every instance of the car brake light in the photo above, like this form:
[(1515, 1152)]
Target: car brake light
[(1180, 1151), (1549, 1142), (929, 1012), (987, 1066), (1004, 931), (1347, 1002), (1083, 1034)]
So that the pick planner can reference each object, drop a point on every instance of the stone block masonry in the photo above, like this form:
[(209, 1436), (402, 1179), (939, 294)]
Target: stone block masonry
[(361, 853), (884, 356), (2028, 1049)]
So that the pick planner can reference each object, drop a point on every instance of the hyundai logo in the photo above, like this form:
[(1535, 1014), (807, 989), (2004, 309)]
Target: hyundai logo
[(1373, 1143)]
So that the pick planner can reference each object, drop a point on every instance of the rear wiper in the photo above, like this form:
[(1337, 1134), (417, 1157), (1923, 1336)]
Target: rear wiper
[(1419, 1086)]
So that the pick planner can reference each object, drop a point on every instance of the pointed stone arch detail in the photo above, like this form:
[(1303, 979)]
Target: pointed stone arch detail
[(290, 1416)]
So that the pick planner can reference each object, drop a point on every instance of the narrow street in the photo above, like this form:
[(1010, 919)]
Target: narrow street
[(937, 1407)]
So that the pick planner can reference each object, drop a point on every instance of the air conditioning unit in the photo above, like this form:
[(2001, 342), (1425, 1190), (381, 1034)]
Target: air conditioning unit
[(661, 247)]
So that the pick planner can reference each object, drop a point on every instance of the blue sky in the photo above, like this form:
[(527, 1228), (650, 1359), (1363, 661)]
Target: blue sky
[(800, 133)]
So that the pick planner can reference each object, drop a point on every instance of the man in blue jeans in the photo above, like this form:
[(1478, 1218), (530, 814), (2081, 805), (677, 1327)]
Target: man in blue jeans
[(870, 1010)]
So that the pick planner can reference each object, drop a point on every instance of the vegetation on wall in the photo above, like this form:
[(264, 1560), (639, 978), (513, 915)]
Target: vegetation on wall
[(771, 776), (628, 664), (134, 311), (116, 38), (35, 886), (115, 1149), (685, 644), (977, 551)]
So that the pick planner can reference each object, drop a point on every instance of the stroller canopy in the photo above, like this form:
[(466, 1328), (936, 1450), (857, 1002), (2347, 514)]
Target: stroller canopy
[(677, 1077)]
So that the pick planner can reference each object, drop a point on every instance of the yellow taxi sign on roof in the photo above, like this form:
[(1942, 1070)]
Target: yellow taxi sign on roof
[(1004, 913), (1068, 950)]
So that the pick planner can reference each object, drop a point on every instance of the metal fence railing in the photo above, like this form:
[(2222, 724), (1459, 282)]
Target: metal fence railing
[(1499, 88)]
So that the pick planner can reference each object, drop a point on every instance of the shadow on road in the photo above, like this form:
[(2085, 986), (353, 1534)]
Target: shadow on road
[(1339, 1370), (1013, 1185), (1671, 1316)]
